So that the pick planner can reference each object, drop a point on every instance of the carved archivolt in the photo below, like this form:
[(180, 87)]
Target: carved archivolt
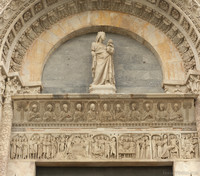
[(109, 146), (104, 112), (19, 30)]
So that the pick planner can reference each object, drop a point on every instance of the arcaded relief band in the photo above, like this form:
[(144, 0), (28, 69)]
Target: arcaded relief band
[(108, 146)]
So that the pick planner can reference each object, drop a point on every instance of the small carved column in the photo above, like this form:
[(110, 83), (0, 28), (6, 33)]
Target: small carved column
[(197, 114), (2, 89), (1, 104), (5, 135), (6, 122)]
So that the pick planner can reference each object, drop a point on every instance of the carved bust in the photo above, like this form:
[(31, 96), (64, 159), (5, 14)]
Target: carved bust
[(134, 114), (119, 113), (162, 114), (49, 115), (92, 114), (106, 115), (79, 114), (34, 115), (148, 113), (176, 114), (65, 115)]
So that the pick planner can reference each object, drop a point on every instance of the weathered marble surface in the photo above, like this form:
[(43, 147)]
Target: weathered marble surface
[(187, 168), (16, 168)]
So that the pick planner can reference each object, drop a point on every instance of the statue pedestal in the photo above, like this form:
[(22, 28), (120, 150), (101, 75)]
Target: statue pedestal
[(102, 89)]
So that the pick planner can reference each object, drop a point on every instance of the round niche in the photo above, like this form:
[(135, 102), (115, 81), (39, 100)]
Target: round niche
[(68, 68)]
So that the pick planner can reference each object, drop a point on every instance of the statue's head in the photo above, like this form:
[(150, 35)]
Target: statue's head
[(118, 107), (176, 107), (79, 107), (92, 107), (65, 107), (110, 42), (49, 107), (34, 108), (148, 107), (105, 107), (162, 107), (101, 35)]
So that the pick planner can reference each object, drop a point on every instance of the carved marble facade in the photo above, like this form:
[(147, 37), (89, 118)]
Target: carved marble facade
[(96, 128)]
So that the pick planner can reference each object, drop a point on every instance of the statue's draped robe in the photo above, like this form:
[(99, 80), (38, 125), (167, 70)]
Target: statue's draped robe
[(103, 65)]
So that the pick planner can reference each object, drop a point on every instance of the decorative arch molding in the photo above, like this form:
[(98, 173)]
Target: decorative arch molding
[(86, 22), (18, 31)]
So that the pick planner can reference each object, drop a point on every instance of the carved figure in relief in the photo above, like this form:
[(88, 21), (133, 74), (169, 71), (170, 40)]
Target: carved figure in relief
[(134, 115), (176, 114), (132, 146), (34, 115), (189, 146), (40, 147), (33, 146), (87, 145), (195, 144), (102, 65), (113, 148), (142, 147), (62, 143), (92, 114), (105, 115), (173, 146), (48, 146), (148, 112), (101, 147), (65, 115), (119, 113), (79, 114), (54, 147), (194, 84), (170, 147), (162, 114), (13, 148), (24, 147), (165, 151), (49, 114), (157, 146)]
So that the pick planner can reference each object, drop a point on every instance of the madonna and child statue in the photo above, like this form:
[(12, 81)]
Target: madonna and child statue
[(102, 66)]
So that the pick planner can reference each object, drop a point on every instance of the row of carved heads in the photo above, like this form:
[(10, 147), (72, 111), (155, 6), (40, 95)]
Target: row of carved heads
[(79, 111)]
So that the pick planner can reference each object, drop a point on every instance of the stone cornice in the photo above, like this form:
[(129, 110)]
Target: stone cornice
[(98, 96)]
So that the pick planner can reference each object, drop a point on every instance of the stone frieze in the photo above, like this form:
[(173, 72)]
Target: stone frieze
[(105, 112), (104, 146)]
